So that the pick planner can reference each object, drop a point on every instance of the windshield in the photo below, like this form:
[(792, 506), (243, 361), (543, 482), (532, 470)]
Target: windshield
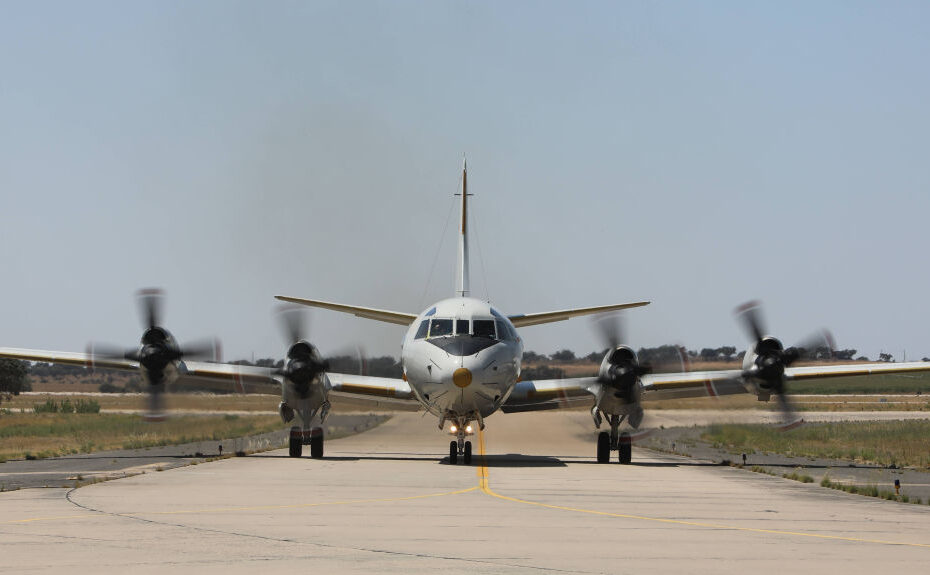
[(440, 327), (484, 328)]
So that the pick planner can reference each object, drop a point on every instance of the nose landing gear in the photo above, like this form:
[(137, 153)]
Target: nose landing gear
[(460, 447), (614, 441)]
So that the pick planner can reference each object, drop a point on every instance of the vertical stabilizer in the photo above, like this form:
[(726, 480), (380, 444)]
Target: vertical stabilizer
[(461, 269)]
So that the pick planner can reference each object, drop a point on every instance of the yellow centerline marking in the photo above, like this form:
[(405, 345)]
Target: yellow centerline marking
[(483, 478)]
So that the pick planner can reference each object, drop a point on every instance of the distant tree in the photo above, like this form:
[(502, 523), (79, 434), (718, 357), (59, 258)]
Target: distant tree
[(844, 354), (727, 352), (862, 358), (563, 355), (533, 357), (595, 356), (12, 377), (708, 354), (925, 359), (542, 372), (886, 357), (663, 358), (41, 369), (741, 355)]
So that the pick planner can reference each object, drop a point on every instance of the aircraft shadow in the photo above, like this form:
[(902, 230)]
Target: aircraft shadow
[(514, 460)]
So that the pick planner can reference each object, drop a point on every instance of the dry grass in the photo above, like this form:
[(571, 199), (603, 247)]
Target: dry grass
[(176, 401), (901, 443), (52, 434)]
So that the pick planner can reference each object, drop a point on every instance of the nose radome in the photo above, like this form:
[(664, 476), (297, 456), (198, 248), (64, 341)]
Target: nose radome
[(461, 377)]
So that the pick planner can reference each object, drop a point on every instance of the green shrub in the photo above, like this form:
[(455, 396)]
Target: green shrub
[(87, 406)]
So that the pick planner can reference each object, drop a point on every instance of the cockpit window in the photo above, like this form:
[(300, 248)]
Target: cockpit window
[(440, 327), (423, 329), (461, 326), (484, 328)]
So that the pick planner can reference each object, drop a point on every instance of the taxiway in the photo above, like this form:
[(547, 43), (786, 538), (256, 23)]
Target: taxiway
[(385, 501)]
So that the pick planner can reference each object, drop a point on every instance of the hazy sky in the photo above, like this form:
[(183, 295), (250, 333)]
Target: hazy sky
[(694, 154)]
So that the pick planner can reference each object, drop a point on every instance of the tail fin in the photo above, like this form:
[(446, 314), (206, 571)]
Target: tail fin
[(461, 269)]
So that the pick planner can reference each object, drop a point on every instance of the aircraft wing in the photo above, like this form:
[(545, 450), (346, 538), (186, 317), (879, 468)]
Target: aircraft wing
[(378, 389), (67, 358), (560, 393), (397, 317), (729, 382), (571, 392), (853, 369), (524, 320), (232, 372), (693, 384), (542, 394)]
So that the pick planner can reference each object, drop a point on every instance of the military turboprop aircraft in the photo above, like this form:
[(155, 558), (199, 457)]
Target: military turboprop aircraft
[(461, 362)]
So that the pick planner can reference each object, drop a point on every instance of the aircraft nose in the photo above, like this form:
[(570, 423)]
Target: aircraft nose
[(462, 377)]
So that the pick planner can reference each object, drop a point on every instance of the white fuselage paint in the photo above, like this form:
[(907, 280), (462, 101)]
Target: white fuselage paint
[(493, 364)]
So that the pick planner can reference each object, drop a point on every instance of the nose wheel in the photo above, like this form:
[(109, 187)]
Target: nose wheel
[(460, 449), (614, 441)]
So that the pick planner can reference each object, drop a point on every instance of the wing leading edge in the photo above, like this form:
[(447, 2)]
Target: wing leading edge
[(384, 315), (524, 320)]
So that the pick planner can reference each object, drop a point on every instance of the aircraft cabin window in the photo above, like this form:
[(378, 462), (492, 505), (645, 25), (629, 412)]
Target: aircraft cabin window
[(440, 327), (423, 329), (483, 328), (461, 326)]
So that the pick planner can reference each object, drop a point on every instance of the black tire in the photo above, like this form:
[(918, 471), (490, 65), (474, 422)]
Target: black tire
[(316, 447), (453, 453), (603, 447), (467, 459), (626, 449), (295, 446)]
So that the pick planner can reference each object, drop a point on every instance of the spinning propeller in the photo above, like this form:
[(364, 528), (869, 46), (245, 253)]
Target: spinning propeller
[(158, 352), (304, 362), (623, 369), (769, 357)]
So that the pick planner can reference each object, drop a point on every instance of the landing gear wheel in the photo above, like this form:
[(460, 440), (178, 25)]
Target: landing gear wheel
[(295, 445), (603, 447), (453, 453), (626, 448), (467, 458), (316, 443)]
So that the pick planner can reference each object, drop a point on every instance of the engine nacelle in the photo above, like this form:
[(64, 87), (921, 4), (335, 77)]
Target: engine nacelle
[(764, 365), (620, 371), (622, 354)]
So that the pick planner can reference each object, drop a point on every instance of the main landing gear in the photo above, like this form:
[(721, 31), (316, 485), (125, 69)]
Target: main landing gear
[(621, 442), (460, 447), (312, 437)]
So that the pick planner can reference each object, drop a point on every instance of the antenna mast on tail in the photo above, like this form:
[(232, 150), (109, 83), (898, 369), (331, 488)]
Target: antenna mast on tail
[(461, 270)]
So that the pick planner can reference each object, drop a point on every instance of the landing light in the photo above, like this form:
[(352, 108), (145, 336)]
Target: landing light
[(453, 429), (468, 429)]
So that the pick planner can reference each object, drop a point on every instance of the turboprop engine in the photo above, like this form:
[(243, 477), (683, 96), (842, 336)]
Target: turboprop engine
[(620, 374), (620, 370), (764, 365), (304, 364)]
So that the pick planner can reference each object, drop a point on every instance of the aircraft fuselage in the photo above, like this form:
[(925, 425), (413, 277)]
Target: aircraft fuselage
[(461, 357)]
